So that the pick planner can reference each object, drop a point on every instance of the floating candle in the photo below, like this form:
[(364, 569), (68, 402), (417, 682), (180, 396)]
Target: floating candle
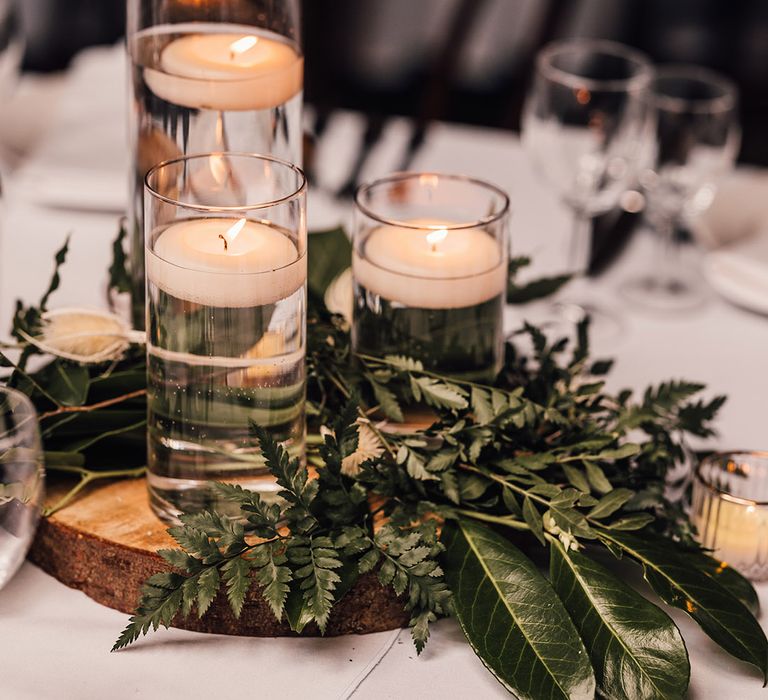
[(227, 71), (226, 262), (430, 265)]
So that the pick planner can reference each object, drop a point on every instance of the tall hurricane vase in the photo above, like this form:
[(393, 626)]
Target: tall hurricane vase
[(209, 76), (226, 325)]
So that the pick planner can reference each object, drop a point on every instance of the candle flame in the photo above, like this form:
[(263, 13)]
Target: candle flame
[(243, 45), (436, 237), (234, 230)]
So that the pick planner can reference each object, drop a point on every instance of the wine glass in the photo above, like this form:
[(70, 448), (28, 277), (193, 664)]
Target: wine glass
[(585, 126), (696, 141), (21, 480)]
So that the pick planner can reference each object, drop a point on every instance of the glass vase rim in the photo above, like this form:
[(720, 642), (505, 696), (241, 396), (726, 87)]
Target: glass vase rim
[(23, 407), (177, 27), (725, 101), (297, 193), (415, 175), (23, 400), (721, 493), (639, 81)]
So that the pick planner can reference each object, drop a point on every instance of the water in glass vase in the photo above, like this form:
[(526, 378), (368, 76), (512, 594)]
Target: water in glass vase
[(211, 371), (464, 342), (202, 88)]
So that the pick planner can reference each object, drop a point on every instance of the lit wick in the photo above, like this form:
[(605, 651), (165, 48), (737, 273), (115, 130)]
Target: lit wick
[(241, 46), (232, 233), (436, 237)]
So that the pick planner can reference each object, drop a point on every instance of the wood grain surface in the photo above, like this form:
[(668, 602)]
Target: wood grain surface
[(104, 544)]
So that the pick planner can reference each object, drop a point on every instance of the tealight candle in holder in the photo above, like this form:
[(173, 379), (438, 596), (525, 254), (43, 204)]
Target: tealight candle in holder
[(226, 327), (430, 271), (730, 510)]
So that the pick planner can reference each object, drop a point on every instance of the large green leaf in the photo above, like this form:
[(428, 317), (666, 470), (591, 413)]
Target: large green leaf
[(330, 252), (678, 583), (537, 289), (66, 382), (513, 618), (728, 578), (636, 649)]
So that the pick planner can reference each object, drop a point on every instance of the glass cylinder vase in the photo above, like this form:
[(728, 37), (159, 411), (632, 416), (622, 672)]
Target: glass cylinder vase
[(209, 76), (430, 272), (226, 324)]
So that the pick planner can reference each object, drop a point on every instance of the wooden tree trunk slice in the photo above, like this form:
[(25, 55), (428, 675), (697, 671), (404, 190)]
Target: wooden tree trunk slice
[(104, 544)]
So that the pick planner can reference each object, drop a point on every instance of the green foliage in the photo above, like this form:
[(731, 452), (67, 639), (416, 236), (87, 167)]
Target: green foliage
[(635, 648), (409, 566), (719, 613), (513, 618), (119, 278), (545, 453), (303, 572), (536, 289)]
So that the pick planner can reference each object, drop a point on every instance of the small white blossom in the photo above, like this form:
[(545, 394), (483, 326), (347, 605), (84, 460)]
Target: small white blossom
[(550, 525), (568, 541), (339, 296)]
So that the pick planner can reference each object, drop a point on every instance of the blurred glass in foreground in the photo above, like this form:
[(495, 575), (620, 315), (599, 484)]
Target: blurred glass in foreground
[(21, 480)]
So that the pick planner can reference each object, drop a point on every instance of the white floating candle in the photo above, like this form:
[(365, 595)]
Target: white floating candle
[(431, 266), (231, 263), (227, 71)]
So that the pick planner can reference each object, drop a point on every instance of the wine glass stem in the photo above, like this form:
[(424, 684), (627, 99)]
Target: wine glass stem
[(580, 242), (666, 258)]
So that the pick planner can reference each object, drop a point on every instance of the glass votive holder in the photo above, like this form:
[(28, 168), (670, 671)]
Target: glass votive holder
[(21, 480), (226, 323), (430, 272), (730, 510)]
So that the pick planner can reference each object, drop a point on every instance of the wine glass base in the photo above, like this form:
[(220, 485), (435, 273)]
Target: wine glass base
[(664, 295), (560, 318)]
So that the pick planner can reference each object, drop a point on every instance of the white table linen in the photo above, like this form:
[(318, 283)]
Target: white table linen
[(54, 642)]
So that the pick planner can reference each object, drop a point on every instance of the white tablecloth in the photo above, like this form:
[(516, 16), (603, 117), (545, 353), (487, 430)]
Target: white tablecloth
[(54, 642)]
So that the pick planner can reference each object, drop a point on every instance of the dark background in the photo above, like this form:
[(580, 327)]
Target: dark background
[(461, 60)]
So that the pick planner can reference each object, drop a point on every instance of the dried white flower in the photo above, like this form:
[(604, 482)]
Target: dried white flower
[(84, 335), (568, 541), (550, 525), (339, 297), (369, 446)]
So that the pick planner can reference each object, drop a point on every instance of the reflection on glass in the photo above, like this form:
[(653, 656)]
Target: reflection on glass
[(21, 480)]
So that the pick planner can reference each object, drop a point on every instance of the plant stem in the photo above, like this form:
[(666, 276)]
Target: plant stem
[(94, 406), (87, 477), (366, 359), (507, 521)]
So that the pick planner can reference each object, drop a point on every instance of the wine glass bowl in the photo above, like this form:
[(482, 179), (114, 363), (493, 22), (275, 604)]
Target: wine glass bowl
[(696, 139), (585, 126), (21, 480), (696, 142)]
